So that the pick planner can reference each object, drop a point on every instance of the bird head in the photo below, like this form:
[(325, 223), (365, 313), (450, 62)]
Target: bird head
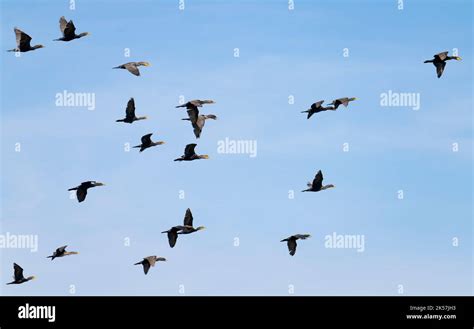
[(204, 156), (200, 228), (38, 46), (31, 278), (352, 99), (99, 184), (457, 58)]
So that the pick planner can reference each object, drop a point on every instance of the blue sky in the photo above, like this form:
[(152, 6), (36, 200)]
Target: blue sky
[(282, 53)]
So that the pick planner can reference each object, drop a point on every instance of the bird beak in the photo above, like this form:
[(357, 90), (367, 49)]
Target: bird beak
[(458, 58), (205, 156)]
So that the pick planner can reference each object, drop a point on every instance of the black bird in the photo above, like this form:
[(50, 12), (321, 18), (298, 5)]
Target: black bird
[(439, 61), (173, 235), (316, 108), (147, 142), (317, 184), (197, 120), (61, 252), (188, 224), (190, 155), (18, 275), (69, 30), (23, 42), (81, 190), (132, 67), (130, 116), (291, 242), (344, 101), (149, 261), (186, 228)]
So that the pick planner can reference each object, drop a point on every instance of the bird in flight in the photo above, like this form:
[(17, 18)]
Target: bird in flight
[(81, 190), (130, 116), (132, 67), (291, 242), (439, 61), (18, 277), (23, 42), (316, 108), (190, 155), (317, 184), (69, 30), (198, 120), (186, 228), (147, 142), (342, 101), (61, 252), (150, 261)]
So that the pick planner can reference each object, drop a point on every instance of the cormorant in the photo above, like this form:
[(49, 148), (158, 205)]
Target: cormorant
[(69, 30), (317, 184), (344, 101), (190, 155), (81, 190), (130, 116), (61, 252), (18, 275), (439, 61), (149, 261), (23, 42), (147, 142), (291, 242), (132, 67), (316, 108)]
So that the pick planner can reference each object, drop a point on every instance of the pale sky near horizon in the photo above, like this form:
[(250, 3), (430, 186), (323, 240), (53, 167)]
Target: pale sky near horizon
[(282, 54)]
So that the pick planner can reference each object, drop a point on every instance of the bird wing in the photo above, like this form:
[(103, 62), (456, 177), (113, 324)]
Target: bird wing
[(146, 139), (210, 116), (344, 101), (316, 105), (442, 56), (172, 237), (318, 181), (188, 218), (198, 125), (62, 24), (70, 30), (189, 150), (81, 194), (146, 266), (60, 250), (196, 102), (193, 114), (302, 236), (440, 68), (130, 110), (18, 272), (292, 246), (132, 69), (22, 39)]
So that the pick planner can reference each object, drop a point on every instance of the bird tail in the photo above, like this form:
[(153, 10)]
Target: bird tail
[(164, 232), (12, 50), (120, 120), (139, 263), (428, 61), (178, 159), (52, 257), (137, 146), (72, 189)]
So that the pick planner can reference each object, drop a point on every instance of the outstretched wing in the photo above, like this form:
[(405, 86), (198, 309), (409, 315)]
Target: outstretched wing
[(146, 265), (132, 69), (172, 237), (22, 39), (440, 68), (62, 24), (302, 236), (147, 139), (188, 218), (60, 250), (70, 30), (130, 110), (18, 272), (81, 193), (318, 181), (193, 114), (189, 150), (292, 246)]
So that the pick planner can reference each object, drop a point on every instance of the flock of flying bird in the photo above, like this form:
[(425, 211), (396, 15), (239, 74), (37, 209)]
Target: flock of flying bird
[(197, 120)]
